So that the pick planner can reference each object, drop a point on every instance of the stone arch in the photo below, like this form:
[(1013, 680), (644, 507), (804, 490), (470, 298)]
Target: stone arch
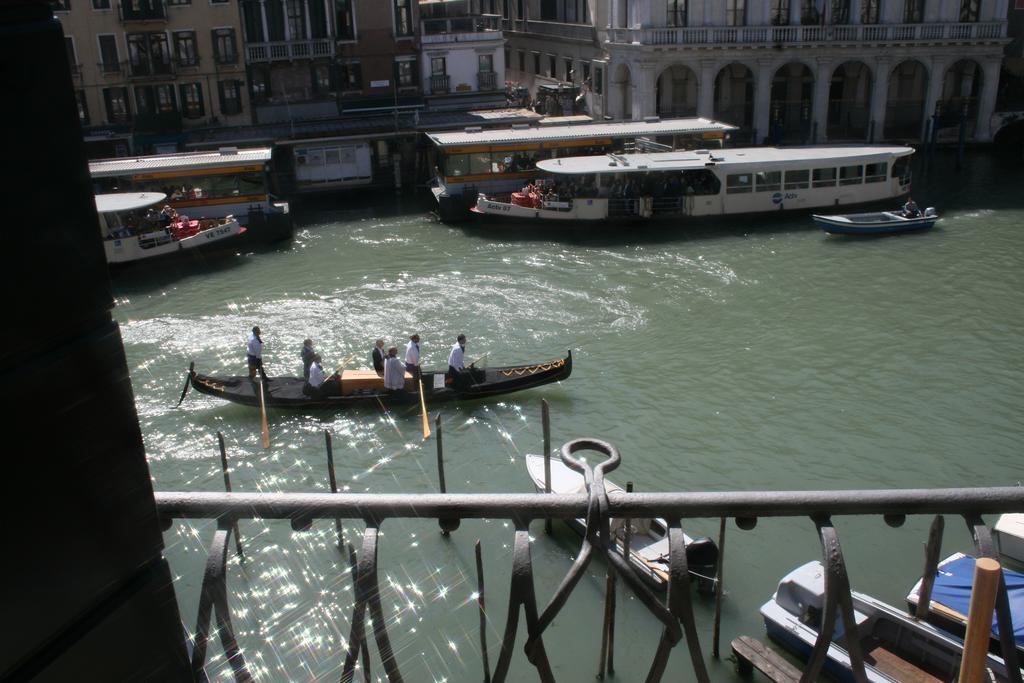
[(905, 105), (961, 88), (790, 108), (849, 101), (622, 81), (734, 96), (676, 92)]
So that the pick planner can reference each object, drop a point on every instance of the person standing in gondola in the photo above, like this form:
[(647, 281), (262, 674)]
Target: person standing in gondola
[(412, 356), (394, 372), (318, 384), (254, 354), (378, 355), (307, 354), (457, 361)]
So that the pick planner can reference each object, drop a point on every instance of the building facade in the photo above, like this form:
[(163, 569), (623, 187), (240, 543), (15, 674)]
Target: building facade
[(146, 71), (782, 70)]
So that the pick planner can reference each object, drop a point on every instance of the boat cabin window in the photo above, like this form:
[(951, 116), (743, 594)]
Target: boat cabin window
[(768, 181), (798, 180), (901, 169), (702, 182), (875, 173), (824, 177), (736, 183), (186, 188), (456, 165), (851, 175)]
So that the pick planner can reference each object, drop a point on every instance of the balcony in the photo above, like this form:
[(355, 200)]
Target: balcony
[(286, 51), (142, 10), (554, 29), (811, 35), (229, 58), (186, 63), (460, 29), (148, 69), (487, 80), (439, 84), (111, 68)]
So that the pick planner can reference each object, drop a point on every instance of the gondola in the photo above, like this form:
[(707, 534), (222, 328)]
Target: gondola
[(358, 387)]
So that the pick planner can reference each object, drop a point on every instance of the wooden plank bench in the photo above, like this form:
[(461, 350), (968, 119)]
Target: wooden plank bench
[(753, 654)]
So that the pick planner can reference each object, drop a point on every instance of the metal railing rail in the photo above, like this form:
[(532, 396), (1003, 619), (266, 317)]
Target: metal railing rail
[(598, 507)]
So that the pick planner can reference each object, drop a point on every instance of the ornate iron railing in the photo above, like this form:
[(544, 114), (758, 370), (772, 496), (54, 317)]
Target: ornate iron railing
[(597, 506)]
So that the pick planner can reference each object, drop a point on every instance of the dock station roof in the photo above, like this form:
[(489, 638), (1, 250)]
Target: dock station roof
[(189, 161), (628, 129)]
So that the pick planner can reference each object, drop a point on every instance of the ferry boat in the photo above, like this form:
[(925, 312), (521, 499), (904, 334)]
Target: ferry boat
[(129, 234), (706, 183), (501, 160), (205, 185)]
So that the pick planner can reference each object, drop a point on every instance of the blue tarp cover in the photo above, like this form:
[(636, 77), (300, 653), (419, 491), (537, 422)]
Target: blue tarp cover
[(953, 589)]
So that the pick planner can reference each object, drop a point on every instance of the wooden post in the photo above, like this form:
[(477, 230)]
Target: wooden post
[(987, 573), (483, 610), (227, 487), (334, 482), (719, 575), (931, 564), (447, 525), (545, 421)]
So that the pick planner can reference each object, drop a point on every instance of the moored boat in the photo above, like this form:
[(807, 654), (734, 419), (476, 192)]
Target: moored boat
[(648, 543), (692, 184), (875, 223), (131, 232), (951, 598), (895, 647), (365, 387)]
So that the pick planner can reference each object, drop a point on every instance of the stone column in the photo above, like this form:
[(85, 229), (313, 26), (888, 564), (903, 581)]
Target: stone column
[(987, 98), (880, 96), (762, 98), (706, 88), (933, 11), (263, 18), (819, 109), (855, 11), (795, 12), (999, 8), (765, 19), (695, 14), (936, 79), (644, 92)]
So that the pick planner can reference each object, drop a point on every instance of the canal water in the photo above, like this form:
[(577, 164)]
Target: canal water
[(753, 355)]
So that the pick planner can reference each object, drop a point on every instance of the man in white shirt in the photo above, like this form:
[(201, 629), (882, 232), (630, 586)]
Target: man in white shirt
[(412, 356), (316, 372), (318, 384), (457, 363), (394, 372), (254, 354)]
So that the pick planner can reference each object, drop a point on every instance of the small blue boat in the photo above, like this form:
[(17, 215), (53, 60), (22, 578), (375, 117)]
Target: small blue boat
[(951, 598), (875, 223)]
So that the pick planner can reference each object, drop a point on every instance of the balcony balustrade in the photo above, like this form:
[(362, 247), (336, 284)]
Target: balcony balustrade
[(556, 29), (460, 29), (487, 80), (290, 50), (150, 69), (142, 10), (439, 84), (805, 35)]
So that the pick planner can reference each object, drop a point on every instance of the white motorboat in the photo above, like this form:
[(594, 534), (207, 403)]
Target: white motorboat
[(648, 543), (895, 646), (133, 231), (876, 223)]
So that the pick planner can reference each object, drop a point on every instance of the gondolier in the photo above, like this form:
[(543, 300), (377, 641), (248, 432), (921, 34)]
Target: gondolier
[(254, 354), (457, 361), (412, 356)]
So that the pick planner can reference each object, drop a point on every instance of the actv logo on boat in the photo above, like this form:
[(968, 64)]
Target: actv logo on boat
[(778, 197)]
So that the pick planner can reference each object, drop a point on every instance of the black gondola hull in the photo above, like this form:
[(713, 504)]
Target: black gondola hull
[(287, 392)]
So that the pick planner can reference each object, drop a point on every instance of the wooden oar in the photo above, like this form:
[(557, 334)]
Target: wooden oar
[(423, 411), (263, 417), (338, 370), (188, 382), (478, 359)]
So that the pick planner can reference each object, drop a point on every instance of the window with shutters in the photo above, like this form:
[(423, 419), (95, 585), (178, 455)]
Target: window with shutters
[(192, 100), (230, 97)]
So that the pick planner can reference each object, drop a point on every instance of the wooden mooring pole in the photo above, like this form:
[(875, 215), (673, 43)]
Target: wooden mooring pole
[(483, 610), (931, 564), (334, 483), (545, 421), (987, 573), (227, 488), (719, 575), (447, 525)]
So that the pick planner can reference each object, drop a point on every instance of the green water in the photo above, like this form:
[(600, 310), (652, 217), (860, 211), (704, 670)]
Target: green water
[(754, 355)]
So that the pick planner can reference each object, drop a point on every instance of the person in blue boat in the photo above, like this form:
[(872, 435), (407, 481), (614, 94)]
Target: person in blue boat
[(910, 209)]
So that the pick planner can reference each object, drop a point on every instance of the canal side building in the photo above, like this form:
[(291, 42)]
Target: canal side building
[(146, 72), (782, 70)]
